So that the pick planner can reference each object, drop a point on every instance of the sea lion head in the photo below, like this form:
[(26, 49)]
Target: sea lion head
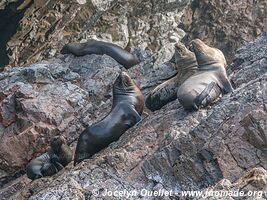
[(123, 83), (56, 143), (124, 89), (182, 54), (206, 55)]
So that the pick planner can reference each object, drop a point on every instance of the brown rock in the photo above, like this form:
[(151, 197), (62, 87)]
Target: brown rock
[(226, 25)]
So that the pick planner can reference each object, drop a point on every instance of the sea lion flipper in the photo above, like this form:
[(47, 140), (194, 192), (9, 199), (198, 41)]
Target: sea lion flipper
[(227, 86), (59, 166), (48, 169), (209, 94), (37, 176), (134, 119), (137, 116), (54, 158)]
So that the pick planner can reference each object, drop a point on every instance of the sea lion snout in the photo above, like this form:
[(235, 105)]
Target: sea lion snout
[(197, 46), (180, 49), (123, 81)]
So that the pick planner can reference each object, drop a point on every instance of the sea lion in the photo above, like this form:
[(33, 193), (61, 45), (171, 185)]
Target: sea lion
[(128, 104), (52, 161), (209, 82), (186, 64), (92, 46)]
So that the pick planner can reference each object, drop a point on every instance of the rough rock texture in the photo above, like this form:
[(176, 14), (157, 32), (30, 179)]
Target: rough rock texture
[(4, 3), (39, 28), (225, 24), (170, 149), (47, 24), (253, 185)]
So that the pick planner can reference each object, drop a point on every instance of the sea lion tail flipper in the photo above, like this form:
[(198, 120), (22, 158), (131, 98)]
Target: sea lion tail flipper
[(208, 95)]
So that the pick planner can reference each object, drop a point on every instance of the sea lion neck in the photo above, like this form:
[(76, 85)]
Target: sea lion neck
[(186, 64)]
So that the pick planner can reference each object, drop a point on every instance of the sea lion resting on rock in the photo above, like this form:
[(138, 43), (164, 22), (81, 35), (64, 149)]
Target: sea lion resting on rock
[(52, 161), (209, 82), (100, 48), (186, 64), (128, 103)]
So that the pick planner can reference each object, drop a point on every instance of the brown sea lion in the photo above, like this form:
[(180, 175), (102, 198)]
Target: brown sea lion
[(128, 104), (52, 161), (92, 46), (209, 82), (186, 64)]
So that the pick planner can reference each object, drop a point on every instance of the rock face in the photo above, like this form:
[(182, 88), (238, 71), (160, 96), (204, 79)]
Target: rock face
[(45, 25), (251, 186), (170, 149), (224, 24), (40, 28)]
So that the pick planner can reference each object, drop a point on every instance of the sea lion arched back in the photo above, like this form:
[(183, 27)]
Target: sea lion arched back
[(128, 103), (92, 46)]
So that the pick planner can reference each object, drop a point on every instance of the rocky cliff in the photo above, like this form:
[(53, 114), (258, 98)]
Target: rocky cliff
[(41, 27), (170, 149), (33, 30), (222, 147)]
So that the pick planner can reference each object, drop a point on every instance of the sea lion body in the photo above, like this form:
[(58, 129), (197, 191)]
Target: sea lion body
[(128, 103), (186, 64), (209, 82), (100, 48), (50, 162)]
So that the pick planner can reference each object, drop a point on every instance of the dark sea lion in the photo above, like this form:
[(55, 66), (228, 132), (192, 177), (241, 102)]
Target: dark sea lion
[(52, 161), (186, 64), (128, 104), (209, 82), (100, 48)]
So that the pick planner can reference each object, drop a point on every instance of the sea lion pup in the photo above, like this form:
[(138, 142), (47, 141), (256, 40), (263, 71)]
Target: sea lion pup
[(52, 161), (100, 48), (209, 82), (128, 103), (186, 64)]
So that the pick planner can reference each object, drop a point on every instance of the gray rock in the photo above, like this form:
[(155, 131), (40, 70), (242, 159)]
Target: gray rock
[(170, 149)]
